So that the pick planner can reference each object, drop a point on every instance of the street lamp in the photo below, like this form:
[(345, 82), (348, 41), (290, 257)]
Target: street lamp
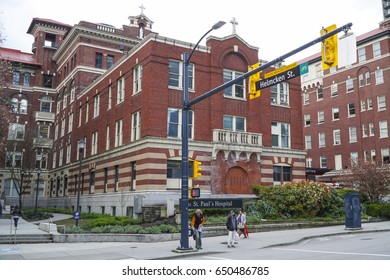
[(36, 193), (184, 242), (81, 146)]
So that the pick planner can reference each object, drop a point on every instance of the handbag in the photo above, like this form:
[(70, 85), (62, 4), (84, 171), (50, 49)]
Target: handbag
[(241, 225), (236, 237)]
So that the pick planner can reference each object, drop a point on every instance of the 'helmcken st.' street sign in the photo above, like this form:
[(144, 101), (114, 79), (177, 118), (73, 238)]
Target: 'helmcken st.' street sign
[(282, 74)]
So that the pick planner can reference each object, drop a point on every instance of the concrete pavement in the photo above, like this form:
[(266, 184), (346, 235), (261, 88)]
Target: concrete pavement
[(162, 250)]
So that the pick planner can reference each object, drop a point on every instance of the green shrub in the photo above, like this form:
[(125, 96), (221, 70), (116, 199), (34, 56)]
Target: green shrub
[(305, 199), (379, 210)]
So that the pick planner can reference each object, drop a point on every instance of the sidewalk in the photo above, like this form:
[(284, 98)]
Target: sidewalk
[(162, 250)]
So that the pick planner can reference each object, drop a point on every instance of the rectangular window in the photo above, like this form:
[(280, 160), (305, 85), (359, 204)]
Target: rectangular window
[(307, 142), (13, 159), (349, 85), (99, 60), (354, 157), (118, 133), (362, 55), (320, 94), (321, 116), (280, 94), (107, 137), (335, 114), (47, 81), (383, 131), (365, 130), (16, 78), (16, 132), (361, 80), (379, 76), (176, 74), (116, 168), (43, 131), (362, 105), (109, 102), (96, 105), (234, 123), (94, 147), (323, 162), (368, 78), (237, 90), (137, 79), (352, 134), (369, 103), (68, 153), (109, 61), (26, 79), (376, 47), (306, 120), (371, 129), (333, 90), (306, 99), (175, 123), (381, 103), (280, 134), (336, 137), (120, 96), (351, 110), (282, 174), (136, 126), (385, 152), (321, 139)]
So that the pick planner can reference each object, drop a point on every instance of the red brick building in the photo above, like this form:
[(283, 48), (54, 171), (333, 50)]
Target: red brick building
[(120, 91), (345, 110)]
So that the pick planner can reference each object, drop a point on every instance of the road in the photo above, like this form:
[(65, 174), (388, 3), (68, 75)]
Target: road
[(362, 246)]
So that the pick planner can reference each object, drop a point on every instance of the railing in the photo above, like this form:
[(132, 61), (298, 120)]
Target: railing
[(44, 116), (237, 137)]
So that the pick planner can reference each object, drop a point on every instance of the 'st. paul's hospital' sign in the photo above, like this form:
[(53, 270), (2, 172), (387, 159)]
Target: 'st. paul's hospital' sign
[(214, 203), (282, 74)]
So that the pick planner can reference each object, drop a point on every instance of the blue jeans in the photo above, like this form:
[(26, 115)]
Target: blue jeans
[(198, 240)]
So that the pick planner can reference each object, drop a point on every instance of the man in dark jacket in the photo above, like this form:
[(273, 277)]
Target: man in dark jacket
[(231, 225)]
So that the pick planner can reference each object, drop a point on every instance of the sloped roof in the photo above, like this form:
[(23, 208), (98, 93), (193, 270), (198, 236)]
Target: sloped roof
[(14, 55)]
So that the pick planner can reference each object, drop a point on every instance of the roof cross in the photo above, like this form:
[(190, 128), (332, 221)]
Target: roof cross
[(234, 23)]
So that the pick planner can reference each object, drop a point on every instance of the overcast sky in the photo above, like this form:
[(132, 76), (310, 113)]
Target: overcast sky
[(275, 27)]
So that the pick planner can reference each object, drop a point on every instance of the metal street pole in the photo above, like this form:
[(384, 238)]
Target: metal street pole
[(184, 242), (36, 193), (81, 146)]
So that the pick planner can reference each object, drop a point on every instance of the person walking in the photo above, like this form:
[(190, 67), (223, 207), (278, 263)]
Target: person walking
[(16, 215), (231, 225), (241, 220), (197, 223)]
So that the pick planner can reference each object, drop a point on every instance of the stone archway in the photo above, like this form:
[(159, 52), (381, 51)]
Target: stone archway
[(236, 181)]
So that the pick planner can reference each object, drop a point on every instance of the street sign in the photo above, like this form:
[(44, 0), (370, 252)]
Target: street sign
[(282, 74), (215, 203)]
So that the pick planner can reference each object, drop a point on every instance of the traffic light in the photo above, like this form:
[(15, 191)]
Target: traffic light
[(329, 49), (194, 192), (197, 169), (253, 93)]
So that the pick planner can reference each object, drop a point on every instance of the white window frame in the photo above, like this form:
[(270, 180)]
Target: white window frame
[(336, 137), (236, 91), (376, 49), (96, 106), (283, 139), (137, 78), (120, 93), (379, 76), (351, 110), (179, 124), (362, 54), (321, 117), (349, 84), (136, 126), (118, 133), (308, 145), (352, 131), (334, 90), (383, 129), (94, 143), (335, 113), (321, 140), (280, 94), (176, 75), (306, 118)]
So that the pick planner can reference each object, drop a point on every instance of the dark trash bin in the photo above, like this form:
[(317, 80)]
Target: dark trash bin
[(352, 209)]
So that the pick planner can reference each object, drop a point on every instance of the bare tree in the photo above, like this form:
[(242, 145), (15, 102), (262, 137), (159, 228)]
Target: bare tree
[(370, 178)]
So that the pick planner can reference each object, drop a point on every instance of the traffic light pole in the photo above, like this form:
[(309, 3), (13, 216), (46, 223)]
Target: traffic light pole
[(184, 238)]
